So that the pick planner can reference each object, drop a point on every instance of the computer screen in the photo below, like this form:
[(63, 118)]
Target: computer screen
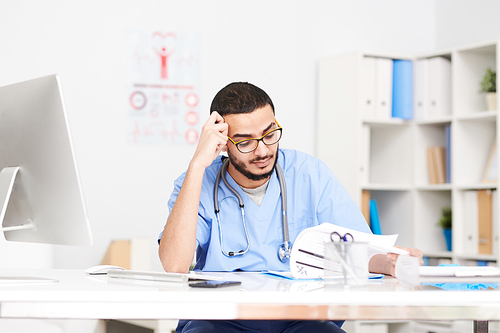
[(41, 198)]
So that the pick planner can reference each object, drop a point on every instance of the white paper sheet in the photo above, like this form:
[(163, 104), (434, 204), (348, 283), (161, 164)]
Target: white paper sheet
[(308, 252)]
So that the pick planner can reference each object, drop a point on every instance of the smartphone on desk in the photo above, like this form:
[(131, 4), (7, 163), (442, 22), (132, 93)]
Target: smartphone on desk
[(214, 284)]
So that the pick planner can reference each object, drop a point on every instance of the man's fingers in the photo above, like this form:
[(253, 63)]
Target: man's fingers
[(222, 128), (216, 117), (216, 122)]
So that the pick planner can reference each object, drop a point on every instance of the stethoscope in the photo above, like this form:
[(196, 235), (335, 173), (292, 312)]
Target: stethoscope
[(284, 249)]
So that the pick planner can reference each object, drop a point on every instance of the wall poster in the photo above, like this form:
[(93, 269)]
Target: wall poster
[(163, 88)]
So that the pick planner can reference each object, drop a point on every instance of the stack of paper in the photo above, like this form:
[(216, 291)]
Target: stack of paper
[(307, 259)]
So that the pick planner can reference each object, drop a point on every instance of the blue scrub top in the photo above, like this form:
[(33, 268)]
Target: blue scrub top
[(314, 194)]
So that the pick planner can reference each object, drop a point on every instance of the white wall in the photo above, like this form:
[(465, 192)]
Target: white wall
[(274, 44), (464, 22)]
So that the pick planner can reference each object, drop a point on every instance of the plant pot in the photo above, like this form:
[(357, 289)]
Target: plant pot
[(447, 237), (491, 101)]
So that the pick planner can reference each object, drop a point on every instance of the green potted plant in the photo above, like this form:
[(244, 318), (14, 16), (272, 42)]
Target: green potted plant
[(446, 224), (489, 86)]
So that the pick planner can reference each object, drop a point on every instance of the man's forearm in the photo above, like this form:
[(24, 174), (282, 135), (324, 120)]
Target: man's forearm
[(178, 242), (380, 264)]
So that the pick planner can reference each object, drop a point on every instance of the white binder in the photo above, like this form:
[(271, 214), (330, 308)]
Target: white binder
[(383, 88), (439, 87), (368, 88), (470, 222), (421, 89)]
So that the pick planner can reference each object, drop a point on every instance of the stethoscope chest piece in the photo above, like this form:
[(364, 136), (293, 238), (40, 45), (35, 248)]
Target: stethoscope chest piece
[(285, 251)]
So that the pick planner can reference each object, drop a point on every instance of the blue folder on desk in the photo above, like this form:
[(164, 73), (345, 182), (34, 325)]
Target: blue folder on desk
[(289, 276)]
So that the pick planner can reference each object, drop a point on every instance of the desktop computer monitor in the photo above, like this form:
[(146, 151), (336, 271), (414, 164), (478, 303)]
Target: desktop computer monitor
[(41, 197)]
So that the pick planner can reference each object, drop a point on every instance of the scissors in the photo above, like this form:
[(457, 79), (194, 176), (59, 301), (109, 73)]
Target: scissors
[(342, 253), (336, 237)]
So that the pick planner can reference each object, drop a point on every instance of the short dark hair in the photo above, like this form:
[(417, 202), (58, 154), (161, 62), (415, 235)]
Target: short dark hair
[(240, 97)]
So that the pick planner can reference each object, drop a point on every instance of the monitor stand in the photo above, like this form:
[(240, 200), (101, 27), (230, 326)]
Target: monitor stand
[(7, 179), (8, 176)]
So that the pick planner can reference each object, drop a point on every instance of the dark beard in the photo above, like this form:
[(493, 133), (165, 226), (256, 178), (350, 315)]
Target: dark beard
[(241, 168)]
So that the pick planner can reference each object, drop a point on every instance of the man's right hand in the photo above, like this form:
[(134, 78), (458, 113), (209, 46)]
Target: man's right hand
[(213, 140)]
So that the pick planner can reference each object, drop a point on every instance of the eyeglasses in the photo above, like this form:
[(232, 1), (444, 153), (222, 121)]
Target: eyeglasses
[(249, 145)]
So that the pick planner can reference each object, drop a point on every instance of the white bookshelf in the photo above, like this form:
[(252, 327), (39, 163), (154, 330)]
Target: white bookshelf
[(416, 327), (388, 157)]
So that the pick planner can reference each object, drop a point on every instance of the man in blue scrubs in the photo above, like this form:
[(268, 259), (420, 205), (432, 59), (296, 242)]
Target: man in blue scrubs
[(243, 124)]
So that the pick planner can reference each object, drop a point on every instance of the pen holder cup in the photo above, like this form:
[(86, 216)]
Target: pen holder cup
[(346, 263)]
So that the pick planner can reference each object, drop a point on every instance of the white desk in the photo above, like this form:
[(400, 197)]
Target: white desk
[(77, 296)]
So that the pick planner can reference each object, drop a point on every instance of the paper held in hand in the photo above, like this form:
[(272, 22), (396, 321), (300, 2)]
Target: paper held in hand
[(307, 260)]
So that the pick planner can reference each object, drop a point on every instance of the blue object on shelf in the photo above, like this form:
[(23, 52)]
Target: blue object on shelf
[(374, 220), (448, 153), (447, 236), (402, 89)]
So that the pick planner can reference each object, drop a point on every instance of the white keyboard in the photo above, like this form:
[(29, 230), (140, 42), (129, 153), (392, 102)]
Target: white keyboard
[(160, 276)]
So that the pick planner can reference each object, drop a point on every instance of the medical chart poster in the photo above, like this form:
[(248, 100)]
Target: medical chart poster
[(163, 89)]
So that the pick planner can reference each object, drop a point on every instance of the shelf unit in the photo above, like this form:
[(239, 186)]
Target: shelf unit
[(388, 157), (363, 326)]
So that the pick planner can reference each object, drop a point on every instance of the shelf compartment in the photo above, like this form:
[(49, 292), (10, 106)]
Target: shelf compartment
[(428, 135), (395, 214), (471, 148), (429, 235), (391, 155), (469, 67), (471, 220)]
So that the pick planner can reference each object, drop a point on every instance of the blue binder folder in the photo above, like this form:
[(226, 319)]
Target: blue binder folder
[(402, 89), (448, 153), (374, 220)]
